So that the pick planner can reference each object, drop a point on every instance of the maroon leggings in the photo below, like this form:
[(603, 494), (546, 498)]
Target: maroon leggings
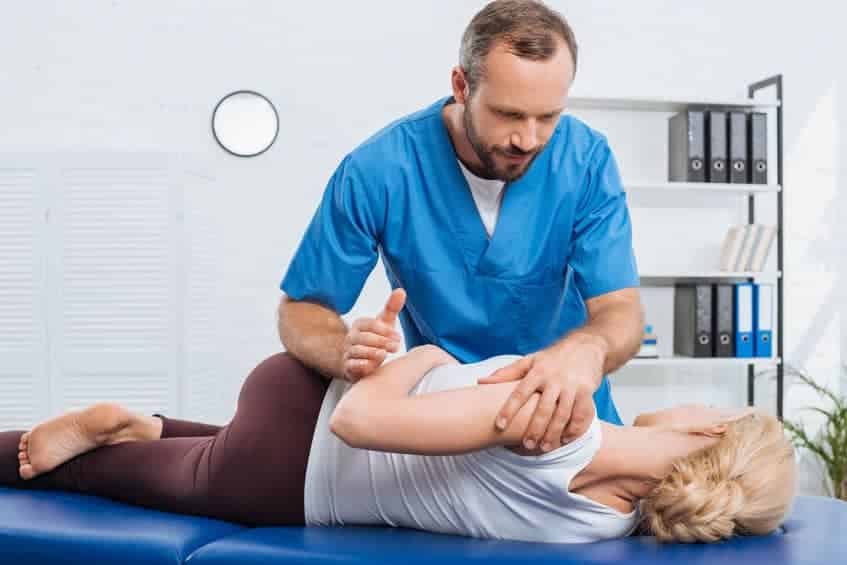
[(251, 471)]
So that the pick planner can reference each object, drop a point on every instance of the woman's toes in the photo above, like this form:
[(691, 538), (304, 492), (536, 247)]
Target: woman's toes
[(26, 472)]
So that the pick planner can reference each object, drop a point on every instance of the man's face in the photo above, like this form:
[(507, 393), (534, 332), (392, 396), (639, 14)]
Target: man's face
[(515, 109)]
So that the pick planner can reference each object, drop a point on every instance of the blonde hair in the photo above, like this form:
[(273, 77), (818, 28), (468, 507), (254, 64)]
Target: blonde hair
[(741, 485)]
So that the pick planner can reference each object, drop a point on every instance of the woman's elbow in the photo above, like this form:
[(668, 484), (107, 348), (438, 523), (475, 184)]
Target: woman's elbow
[(347, 424)]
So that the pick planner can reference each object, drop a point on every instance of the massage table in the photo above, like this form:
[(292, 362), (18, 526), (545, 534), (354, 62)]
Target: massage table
[(40, 527)]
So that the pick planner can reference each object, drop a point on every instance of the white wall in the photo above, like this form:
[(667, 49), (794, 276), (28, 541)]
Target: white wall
[(133, 77)]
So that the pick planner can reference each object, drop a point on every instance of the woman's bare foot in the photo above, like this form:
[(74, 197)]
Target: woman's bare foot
[(60, 439)]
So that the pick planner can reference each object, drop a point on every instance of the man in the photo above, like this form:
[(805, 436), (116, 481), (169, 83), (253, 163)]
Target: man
[(502, 226)]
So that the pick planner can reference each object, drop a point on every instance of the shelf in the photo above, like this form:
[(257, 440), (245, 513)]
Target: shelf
[(678, 361), (640, 104), (704, 187), (664, 279)]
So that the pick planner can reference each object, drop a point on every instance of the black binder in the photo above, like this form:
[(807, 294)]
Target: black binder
[(717, 146), (724, 318), (687, 147), (758, 142), (738, 147), (693, 320)]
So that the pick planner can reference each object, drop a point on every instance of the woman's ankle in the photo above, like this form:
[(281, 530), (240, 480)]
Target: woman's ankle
[(152, 427), (143, 428)]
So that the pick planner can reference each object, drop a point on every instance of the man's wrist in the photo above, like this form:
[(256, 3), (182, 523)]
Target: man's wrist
[(586, 341), (596, 341)]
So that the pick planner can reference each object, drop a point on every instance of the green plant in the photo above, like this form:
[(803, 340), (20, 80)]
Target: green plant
[(830, 444)]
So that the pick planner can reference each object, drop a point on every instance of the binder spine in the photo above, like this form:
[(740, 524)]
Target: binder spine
[(738, 147), (724, 315), (763, 314), (717, 148), (758, 142), (704, 346), (744, 319), (686, 147), (693, 320), (696, 146)]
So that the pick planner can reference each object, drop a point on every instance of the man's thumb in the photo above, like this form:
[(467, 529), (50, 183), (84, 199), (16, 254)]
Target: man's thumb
[(513, 372), (393, 306), (498, 376)]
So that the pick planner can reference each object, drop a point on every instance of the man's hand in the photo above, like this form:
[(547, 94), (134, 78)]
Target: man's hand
[(370, 340), (566, 375)]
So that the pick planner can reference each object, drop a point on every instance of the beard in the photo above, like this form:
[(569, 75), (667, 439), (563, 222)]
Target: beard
[(507, 172)]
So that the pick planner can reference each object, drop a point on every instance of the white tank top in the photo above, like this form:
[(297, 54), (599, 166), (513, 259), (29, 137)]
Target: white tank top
[(491, 493)]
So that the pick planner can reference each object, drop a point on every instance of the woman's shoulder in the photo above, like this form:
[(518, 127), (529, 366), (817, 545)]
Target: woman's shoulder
[(458, 375)]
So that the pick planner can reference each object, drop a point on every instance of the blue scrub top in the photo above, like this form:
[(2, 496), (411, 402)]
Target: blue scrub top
[(563, 236)]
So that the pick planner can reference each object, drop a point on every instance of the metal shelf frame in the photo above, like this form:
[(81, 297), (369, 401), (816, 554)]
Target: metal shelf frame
[(776, 83)]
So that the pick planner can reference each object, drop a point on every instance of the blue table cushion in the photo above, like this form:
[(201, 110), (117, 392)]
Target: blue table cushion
[(816, 533), (39, 527), (60, 527)]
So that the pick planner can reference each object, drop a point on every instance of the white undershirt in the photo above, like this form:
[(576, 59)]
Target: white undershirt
[(487, 194)]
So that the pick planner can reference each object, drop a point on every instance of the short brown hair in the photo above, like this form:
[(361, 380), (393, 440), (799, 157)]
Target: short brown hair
[(528, 27)]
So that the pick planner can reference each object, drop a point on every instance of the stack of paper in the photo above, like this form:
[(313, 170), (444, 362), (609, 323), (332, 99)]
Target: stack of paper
[(746, 247)]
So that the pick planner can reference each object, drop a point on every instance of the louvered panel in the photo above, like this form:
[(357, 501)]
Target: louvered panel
[(21, 400), (141, 392), (203, 375), (23, 355), (118, 279), (110, 205)]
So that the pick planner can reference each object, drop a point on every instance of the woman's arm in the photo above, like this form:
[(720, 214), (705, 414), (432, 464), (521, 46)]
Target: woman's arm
[(378, 413)]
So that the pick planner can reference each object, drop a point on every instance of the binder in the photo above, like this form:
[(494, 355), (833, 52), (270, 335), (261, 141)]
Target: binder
[(693, 320), (744, 319), (758, 148), (687, 147), (763, 328), (724, 318), (717, 146), (738, 147)]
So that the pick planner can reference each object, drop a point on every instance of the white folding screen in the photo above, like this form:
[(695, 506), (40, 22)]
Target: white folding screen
[(104, 286), (115, 239), (201, 302), (23, 291)]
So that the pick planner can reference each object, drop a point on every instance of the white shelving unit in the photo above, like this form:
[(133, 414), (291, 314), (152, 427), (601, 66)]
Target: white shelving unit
[(673, 105), (704, 187), (669, 279), (641, 104), (678, 361)]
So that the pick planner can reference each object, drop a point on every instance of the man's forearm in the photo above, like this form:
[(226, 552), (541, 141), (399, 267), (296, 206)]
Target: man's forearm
[(313, 334), (616, 330)]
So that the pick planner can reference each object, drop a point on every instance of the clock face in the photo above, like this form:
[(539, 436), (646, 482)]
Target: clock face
[(245, 123)]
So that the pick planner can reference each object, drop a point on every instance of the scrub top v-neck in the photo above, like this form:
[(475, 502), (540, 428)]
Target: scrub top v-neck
[(487, 195), (563, 236)]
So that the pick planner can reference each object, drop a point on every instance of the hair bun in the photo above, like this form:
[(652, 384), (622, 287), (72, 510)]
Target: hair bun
[(687, 508), (741, 485), (731, 493)]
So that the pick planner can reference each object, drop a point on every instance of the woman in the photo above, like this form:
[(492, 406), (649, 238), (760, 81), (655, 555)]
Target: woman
[(414, 445)]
